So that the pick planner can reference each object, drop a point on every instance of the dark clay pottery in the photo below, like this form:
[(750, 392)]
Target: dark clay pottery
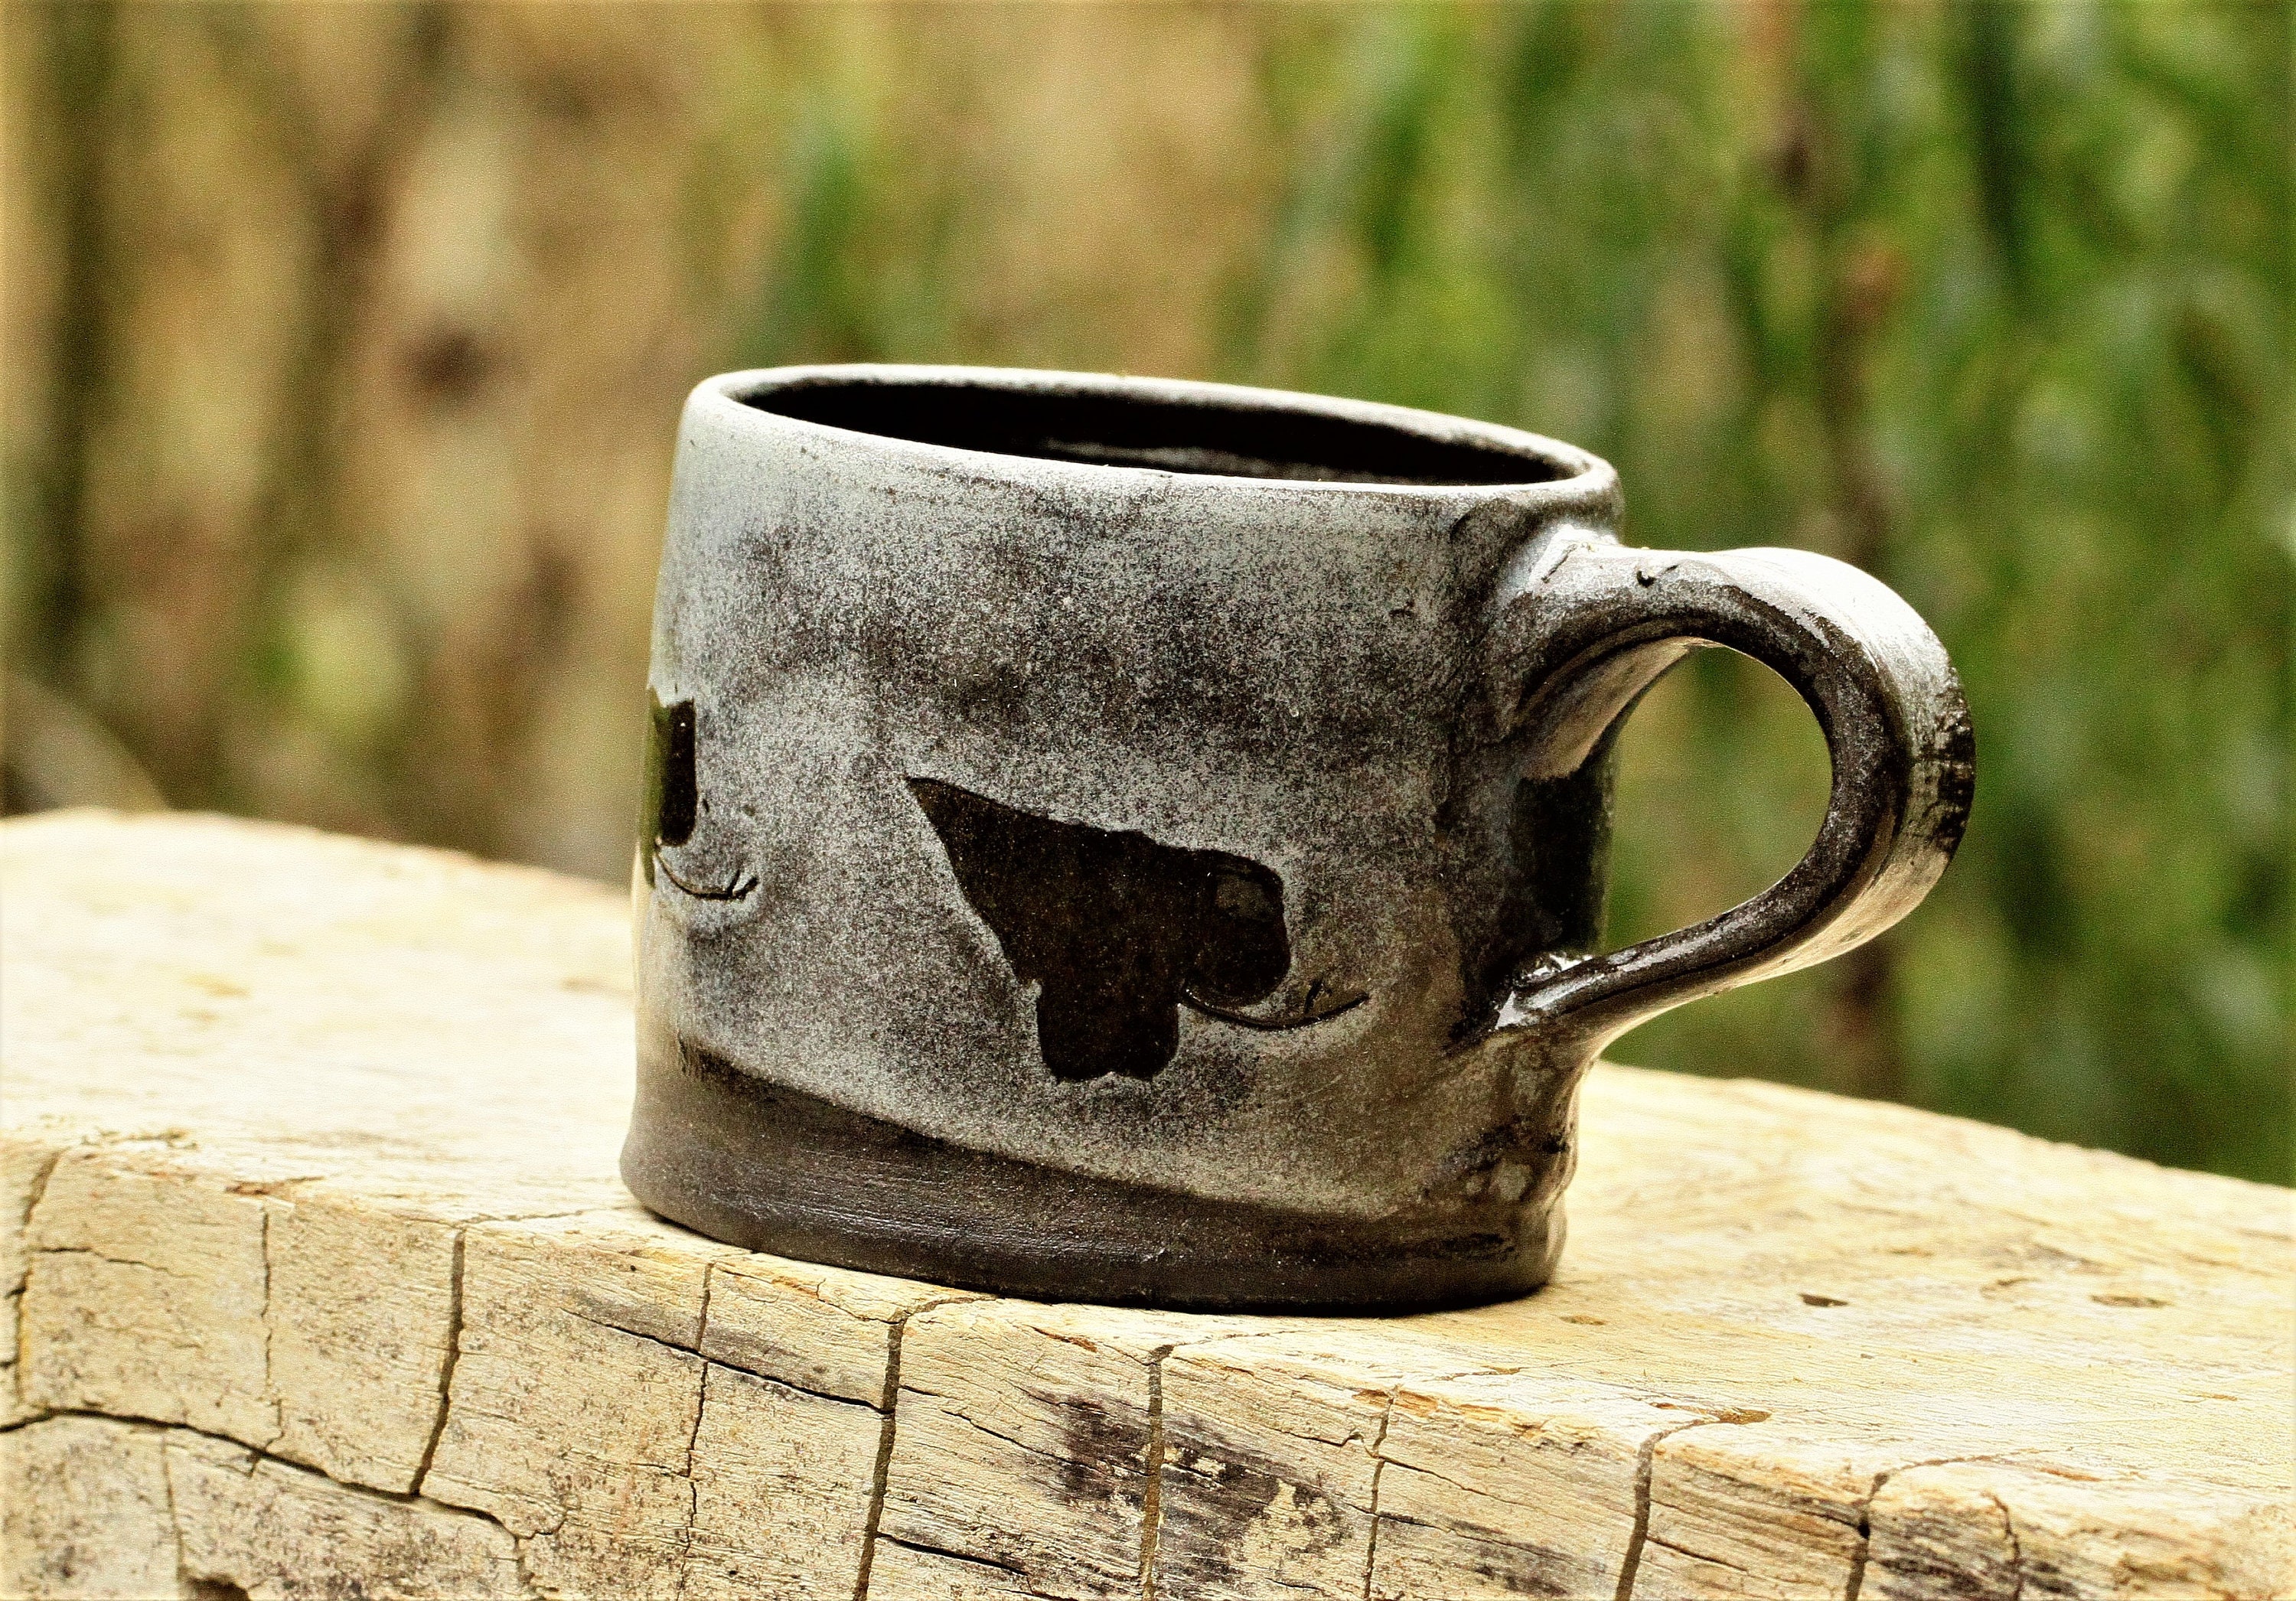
[(1117, 840)]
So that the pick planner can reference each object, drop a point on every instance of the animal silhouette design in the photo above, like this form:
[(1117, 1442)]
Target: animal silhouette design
[(1118, 930)]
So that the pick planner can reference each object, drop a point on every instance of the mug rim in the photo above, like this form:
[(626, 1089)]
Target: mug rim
[(1571, 472)]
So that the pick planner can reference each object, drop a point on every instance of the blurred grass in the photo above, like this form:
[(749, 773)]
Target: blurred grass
[(344, 354)]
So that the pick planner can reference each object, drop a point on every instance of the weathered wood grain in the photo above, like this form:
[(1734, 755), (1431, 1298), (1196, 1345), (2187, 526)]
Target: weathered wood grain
[(1026, 1440), (1270, 1465), (319, 1283), (1514, 1483), (112, 1511), (147, 1294), (576, 1400), (272, 1530), (86, 1511)]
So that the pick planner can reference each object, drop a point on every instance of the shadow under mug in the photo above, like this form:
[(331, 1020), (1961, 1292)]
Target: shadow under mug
[(1122, 840)]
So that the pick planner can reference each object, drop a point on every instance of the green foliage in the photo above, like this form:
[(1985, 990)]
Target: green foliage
[(1992, 299)]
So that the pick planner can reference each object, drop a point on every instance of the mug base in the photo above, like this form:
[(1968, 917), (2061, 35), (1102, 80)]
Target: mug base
[(770, 1169)]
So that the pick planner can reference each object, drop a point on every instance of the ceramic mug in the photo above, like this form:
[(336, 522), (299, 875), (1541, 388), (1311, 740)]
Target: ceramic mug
[(1121, 840)]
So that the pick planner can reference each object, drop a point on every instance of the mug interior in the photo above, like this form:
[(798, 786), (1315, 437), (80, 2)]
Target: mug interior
[(1176, 433)]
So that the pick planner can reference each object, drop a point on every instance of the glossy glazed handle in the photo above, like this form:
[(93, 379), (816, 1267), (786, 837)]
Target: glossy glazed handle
[(1585, 625)]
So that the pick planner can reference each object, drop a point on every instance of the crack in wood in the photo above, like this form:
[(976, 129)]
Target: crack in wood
[(17, 1359), (1378, 1471), (101, 1256), (683, 1351), (446, 1361), (714, 1365), (2016, 1547), (923, 1549), (1856, 1582), (270, 1388), (1705, 1557), (881, 1473), (1860, 1558), (184, 1575), (1055, 1456), (1152, 1494), (260, 1456), (1631, 1562), (693, 1435)]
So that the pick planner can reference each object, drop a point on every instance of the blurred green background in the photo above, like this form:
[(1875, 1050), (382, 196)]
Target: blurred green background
[(344, 347)]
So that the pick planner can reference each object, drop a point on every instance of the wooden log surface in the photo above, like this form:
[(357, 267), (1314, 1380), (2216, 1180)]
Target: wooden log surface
[(320, 1282)]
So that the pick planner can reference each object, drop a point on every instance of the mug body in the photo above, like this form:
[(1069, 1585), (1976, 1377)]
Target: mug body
[(1081, 857)]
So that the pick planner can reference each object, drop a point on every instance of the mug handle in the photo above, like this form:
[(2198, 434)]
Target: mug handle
[(1585, 625)]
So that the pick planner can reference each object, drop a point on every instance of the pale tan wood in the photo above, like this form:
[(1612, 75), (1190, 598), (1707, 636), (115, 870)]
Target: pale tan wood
[(783, 1480), (86, 1511), (576, 1399), (1024, 1439), (24, 1167), (308, 1222), (2116, 1537), (906, 1573), (1783, 1526), (812, 1327), (148, 1296), (114, 1511), (1270, 1467), (271, 1530), (1489, 1477), (361, 1331)]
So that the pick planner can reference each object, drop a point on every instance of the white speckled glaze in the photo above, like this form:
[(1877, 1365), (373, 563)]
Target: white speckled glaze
[(1397, 697)]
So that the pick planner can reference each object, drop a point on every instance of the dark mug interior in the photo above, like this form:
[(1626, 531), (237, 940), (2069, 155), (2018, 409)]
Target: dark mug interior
[(1128, 429)]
